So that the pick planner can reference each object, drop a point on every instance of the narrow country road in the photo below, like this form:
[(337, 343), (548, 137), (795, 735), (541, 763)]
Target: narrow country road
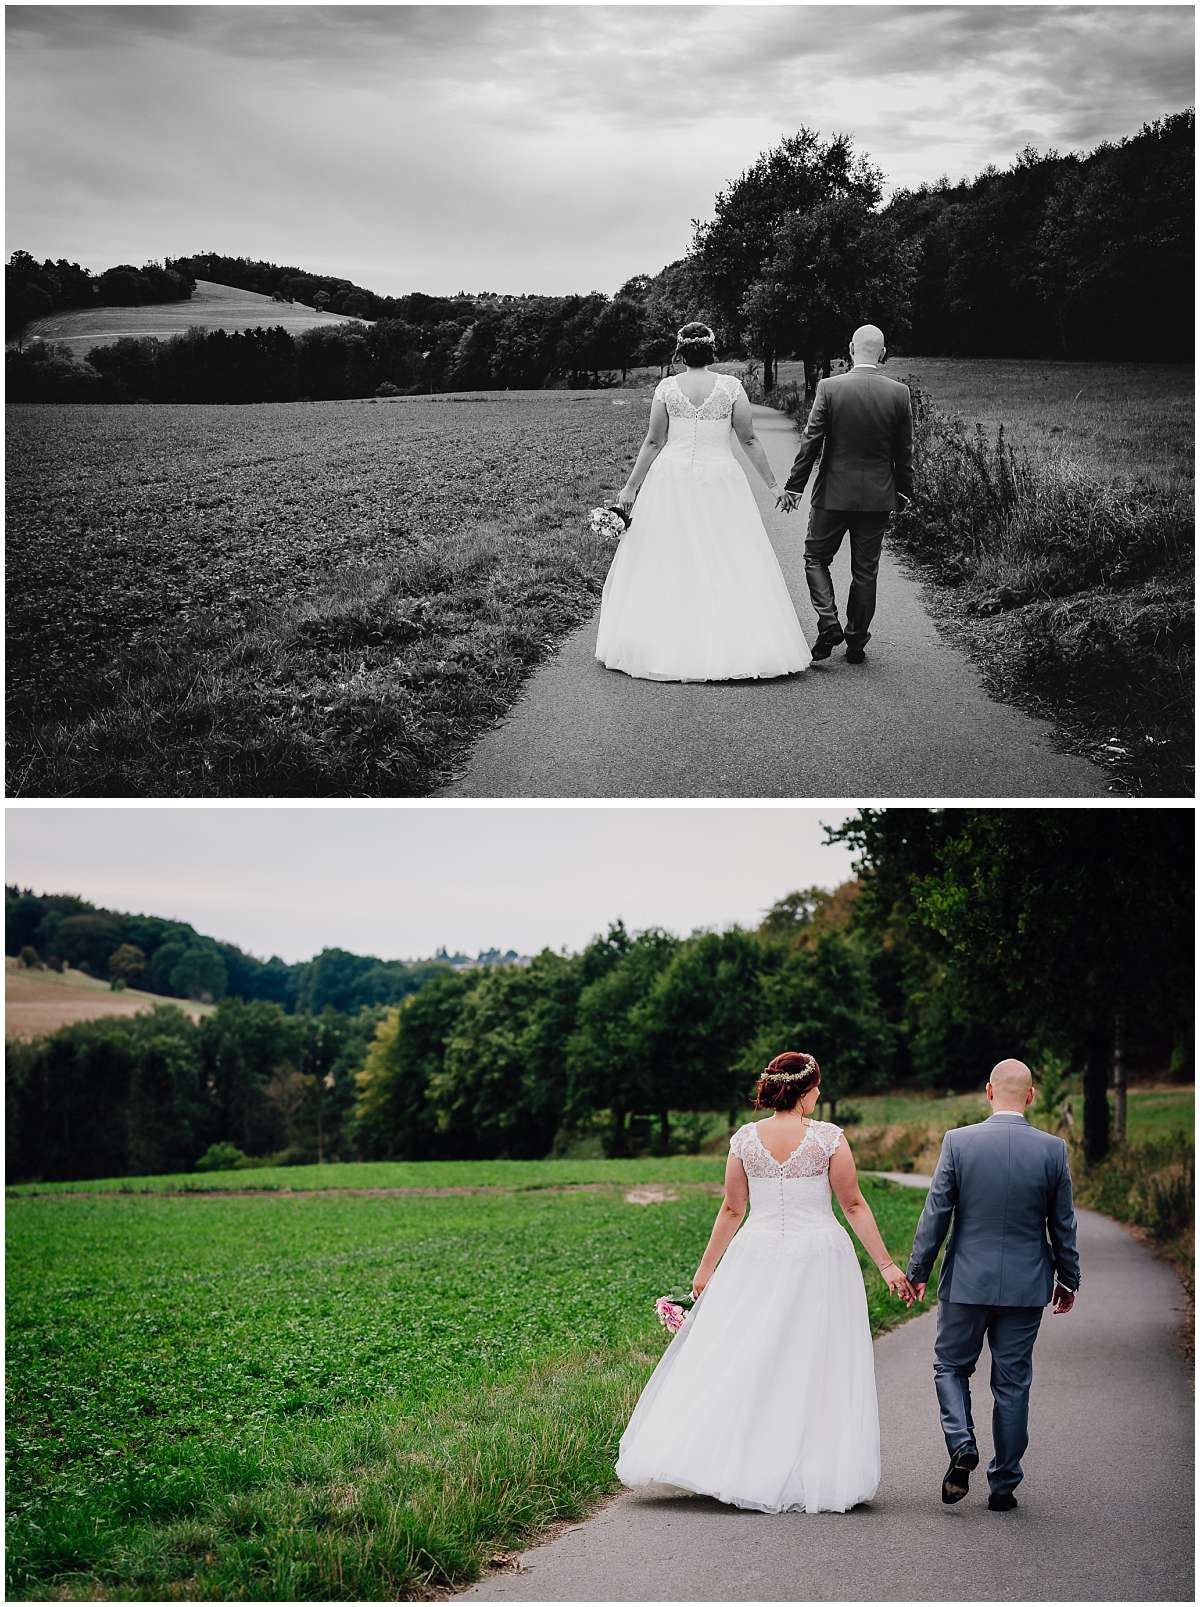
[(913, 722), (1105, 1510)]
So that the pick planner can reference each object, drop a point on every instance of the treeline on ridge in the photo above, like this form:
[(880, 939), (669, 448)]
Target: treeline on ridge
[(34, 290), (966, 936), (170, 957), (1057, 256)]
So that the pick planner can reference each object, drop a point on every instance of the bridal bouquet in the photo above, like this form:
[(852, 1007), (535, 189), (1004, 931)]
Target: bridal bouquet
[(608, 522), (672, 1310)]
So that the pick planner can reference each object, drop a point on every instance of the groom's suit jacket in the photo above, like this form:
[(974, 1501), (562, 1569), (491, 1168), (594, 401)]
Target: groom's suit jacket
[(1003, 1190), (861, 428)]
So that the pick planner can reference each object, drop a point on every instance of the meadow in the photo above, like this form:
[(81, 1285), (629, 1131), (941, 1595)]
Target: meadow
[(336, 598), (306, 599), (331, 1397), (41, 1001), (213, 306)]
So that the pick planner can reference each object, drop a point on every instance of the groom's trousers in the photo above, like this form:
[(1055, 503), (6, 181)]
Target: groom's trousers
[(1010, 1332), (826, 527)]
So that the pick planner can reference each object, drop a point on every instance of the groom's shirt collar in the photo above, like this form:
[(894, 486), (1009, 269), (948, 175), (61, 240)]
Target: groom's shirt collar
[(866, 365), (1018, 1114)]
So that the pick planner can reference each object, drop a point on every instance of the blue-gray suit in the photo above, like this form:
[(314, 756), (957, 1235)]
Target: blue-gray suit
[(1006, 1187)]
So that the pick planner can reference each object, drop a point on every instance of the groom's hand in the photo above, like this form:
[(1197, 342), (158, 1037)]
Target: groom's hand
[(787, 501), (1064, 1299), (920, 1289)]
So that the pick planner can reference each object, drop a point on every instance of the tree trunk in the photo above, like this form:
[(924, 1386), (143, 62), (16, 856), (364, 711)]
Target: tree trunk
[(768, 362), (664, 1132), (1099, 1052), (616, 1139), (1118, 1081)]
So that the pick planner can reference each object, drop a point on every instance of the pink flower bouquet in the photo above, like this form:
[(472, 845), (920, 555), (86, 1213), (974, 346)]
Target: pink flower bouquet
[(671, 1311)]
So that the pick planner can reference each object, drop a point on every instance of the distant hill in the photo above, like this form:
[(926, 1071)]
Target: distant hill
[(212, 307), (39, 1001)]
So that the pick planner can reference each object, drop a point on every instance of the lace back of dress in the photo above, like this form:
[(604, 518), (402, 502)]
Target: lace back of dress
[(809, 1159), (718, 404)]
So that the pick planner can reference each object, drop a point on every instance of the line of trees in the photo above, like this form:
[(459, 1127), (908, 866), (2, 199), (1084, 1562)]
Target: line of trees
[(1075, 255), (967, 935), (170, 957)]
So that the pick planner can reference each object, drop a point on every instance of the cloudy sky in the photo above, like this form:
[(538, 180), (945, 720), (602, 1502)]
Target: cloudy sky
[(509, 148), (399, 882)]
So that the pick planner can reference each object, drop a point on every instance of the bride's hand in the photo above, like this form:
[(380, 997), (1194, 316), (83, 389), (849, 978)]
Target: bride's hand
[(699, 1281), (898, 1283), (626, 498)]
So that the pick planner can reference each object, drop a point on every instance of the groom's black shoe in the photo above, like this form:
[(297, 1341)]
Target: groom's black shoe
[(1004, 1502), (856, 655), (824, 645), (958, 1475)]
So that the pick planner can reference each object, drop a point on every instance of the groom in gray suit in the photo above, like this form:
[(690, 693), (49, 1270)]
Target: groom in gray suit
[(861, 428), (1003, 1190)]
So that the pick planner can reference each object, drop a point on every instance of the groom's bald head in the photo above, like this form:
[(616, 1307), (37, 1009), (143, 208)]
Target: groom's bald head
[(867, 343), (1010, 1087)]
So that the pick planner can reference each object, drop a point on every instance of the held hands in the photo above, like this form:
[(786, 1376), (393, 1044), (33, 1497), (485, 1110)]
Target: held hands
[(898, 1283), (788, 501), (1063, 1300)]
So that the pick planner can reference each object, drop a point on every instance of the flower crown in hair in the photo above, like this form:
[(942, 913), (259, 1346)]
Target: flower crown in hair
[(810, 1066), (706, 339)]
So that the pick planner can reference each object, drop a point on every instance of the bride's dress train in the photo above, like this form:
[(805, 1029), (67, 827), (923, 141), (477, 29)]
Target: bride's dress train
[(765, 1398), (695, 592)]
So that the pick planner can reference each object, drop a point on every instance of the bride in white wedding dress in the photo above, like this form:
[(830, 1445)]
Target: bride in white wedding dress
[(765, 1398), (695, 592)]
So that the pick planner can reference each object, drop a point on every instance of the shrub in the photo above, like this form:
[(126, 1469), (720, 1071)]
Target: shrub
[(386, 388), (1152, 1185), (29, 957), (222, 1157)]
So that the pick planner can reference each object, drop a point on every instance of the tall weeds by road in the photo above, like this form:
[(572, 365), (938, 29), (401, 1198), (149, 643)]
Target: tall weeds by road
[(1078, 591)]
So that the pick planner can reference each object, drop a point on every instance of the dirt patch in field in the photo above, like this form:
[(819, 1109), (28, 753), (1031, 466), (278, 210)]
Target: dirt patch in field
[(650, 1194), (643, 1194)]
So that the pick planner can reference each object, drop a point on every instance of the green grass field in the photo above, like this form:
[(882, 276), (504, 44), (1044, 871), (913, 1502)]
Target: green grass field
[(329, 1397)]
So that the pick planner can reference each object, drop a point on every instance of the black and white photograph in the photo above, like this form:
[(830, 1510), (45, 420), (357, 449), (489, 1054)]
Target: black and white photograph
[(755, 401)]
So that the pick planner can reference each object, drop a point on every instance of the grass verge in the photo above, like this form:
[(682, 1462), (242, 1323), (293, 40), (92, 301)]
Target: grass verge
[(335, 1399), (1073, 594)]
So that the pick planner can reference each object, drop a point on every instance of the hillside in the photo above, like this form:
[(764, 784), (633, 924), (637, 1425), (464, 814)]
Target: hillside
[(212, 307), (37, 1002)]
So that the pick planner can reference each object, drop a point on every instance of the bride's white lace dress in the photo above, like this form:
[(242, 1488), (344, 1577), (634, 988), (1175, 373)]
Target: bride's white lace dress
[(765, 1398), (695, 592)]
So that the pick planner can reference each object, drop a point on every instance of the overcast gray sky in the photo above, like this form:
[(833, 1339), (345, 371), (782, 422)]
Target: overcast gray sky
[(399, 882), (522, 148)]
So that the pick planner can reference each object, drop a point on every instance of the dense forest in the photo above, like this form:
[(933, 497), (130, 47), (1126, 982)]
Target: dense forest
[(172, 958), (1062, 936), (1067, 256)]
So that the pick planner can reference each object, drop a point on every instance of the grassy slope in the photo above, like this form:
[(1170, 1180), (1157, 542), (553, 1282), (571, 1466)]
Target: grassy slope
[(214, 306), (37, 1002), (329, 1398)]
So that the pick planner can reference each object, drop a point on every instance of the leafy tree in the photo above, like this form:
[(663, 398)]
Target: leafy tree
[(1056, 928), (127, 964), (757, 234), (607, 1056), (394, 1118), (30, 958)]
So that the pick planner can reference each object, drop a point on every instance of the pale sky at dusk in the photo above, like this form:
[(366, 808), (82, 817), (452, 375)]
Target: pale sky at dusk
[(399, 882), (510, 148)]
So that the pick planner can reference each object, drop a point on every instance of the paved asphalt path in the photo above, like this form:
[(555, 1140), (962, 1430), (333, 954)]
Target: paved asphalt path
[(1105, 1509), (913, 722)]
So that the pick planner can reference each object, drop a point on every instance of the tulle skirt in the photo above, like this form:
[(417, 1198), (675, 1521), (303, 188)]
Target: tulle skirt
[(765, 1398), (695, 592)]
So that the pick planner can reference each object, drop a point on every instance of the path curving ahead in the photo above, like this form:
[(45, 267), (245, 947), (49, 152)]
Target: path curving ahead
[(1105, 1510), (913, 722)]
